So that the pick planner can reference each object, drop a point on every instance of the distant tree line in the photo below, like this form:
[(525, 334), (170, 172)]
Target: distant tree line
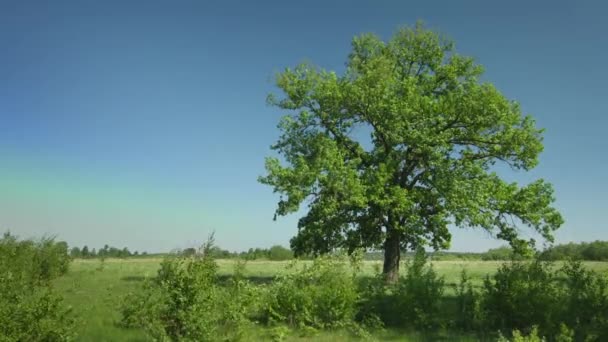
[(592, 251), (589, 251), (105, 252), (275, 253)]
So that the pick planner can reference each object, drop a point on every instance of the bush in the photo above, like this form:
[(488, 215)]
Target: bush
[(36, 314), (519, 337), (320, 295), (29, 309), (375, 305), (468, 305), (585, 302), (521, 295), (33, 262), (418, 294), (186, 303)]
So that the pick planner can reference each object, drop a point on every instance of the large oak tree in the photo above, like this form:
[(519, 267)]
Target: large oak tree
[(401, 146)]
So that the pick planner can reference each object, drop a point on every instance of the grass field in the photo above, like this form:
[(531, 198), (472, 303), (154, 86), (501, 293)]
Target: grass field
[(95, 292)]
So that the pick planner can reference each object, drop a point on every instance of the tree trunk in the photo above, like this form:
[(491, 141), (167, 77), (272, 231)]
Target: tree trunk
[(392, 256)]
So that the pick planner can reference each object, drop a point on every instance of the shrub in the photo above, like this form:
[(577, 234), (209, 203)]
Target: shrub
[(36, 314), (519, 337), (34, 262), (418, 294), (521, 295), (564, 335), (375, 304), (320, 295), (585, 302), (186, 303), (563, 306), (468, 305), (29, 309)]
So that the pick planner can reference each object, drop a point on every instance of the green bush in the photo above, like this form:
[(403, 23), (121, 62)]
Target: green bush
[(320, 295), (519, 337), (375, 304), (418, 295), (569, 304), (584, 302), (33, 262), (29, 309), (521, 295), (36, 314), (469, 315), (185, 302)]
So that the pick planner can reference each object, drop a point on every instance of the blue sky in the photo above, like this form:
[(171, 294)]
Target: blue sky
[(144, 123)]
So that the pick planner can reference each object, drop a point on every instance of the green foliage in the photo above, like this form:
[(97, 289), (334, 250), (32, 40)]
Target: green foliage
[(519, 337), (33, 262), (414, 301), (521, 294), (29, 308), (469, 315), (34, 314), (105, 252), (571, 303), (595, 251), (275, 253), (565, 335), (584, 302), (279, 253), (320, 295), (185, 302), (400, 146), (504, 253), (419, 293)]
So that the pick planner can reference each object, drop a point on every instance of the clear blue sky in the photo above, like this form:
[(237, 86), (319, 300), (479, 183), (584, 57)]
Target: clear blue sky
[(144, 123)]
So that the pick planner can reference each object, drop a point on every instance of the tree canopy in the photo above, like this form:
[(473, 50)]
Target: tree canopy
[(400, 146)]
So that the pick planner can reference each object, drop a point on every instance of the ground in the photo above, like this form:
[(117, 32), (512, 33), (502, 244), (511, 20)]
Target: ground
[(95, 290)]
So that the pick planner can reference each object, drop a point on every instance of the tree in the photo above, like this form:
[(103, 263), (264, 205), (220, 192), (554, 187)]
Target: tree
[(189, 251), (75, 252), (279, 253), (400, 146), (85, 252)]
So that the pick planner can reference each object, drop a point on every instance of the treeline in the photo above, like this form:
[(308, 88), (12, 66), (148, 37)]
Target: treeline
[(274, 253), (105, 252), (591, 251), (587, 251)]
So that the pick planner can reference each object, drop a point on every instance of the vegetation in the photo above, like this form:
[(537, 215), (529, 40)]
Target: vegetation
[(196, 297), (596, 251), (400, 146), (320, 295), (97, 297), (185, 302), (387, 156), (105, 252), (30, 310)]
